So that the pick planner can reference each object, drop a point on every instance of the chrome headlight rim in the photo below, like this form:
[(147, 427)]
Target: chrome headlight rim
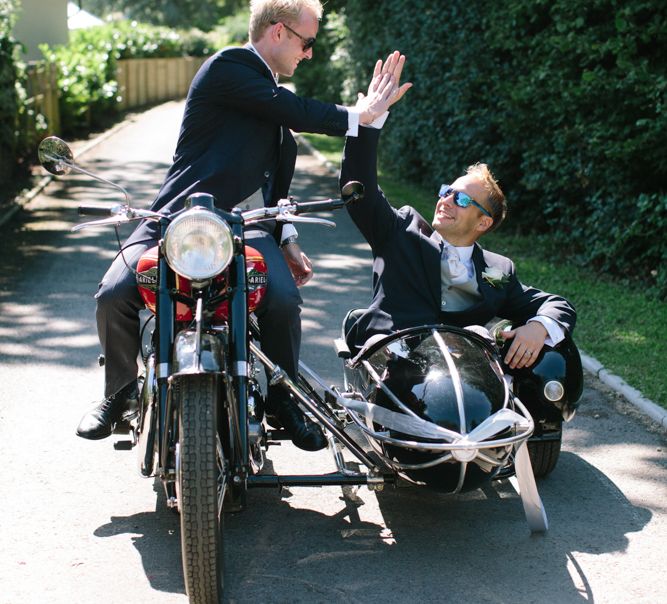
[(554, 391), (193, 222)]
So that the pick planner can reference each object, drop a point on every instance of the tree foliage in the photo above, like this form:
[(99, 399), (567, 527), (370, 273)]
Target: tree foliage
[(565, 100), (184, 14), (87, 66), (8, 92)]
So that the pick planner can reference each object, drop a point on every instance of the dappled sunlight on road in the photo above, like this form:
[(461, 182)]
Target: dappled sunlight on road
[(24, 334), (341, 262), (50, 274)]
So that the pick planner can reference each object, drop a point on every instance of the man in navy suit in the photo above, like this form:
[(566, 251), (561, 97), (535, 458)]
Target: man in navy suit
[(430, 273), (235, 143)]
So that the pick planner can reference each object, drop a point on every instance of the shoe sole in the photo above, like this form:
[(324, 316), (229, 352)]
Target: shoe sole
[(94, 436), (120, 427)]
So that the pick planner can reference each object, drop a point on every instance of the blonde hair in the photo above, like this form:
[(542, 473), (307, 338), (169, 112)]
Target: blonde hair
[(263, 13), (495, 196)]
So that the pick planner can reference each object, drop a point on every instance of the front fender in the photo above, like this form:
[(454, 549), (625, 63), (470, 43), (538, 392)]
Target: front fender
[(187, 361)]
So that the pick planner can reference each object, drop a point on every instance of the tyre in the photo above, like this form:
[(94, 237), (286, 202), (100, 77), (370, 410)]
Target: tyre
[(201, 485), (544, 455)]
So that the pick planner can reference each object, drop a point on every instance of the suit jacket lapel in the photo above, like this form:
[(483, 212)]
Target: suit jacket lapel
[(430, 256), (485, 288), (479, 264)]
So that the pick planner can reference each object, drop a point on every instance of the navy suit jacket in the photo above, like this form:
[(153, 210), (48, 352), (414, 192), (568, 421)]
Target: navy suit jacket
[(235, 134), (406, 264)]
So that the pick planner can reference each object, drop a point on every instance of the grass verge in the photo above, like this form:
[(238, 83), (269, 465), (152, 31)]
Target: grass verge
[(617, 324)]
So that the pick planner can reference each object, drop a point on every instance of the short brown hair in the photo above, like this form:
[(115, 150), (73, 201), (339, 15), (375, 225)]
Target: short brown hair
[(495, 198), (265, 12)]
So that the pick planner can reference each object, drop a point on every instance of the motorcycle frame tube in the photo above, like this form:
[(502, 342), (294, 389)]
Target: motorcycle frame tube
[(322, 480), (279, 376), (148, 423)]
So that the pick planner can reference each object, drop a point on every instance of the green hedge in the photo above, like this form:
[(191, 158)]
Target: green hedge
[(87, 66), (564, 99), (8, 93)]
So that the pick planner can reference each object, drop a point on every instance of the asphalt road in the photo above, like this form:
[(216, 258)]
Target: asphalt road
[(79, 525)]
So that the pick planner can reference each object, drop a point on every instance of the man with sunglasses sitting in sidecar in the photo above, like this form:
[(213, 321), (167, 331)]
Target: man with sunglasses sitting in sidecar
[(437, 273)]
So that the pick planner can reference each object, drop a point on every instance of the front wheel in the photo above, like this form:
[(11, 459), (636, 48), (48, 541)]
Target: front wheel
[(201, 481), (544, 455)]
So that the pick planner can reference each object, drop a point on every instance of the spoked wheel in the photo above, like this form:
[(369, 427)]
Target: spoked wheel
[(544, 455), (201, 485)]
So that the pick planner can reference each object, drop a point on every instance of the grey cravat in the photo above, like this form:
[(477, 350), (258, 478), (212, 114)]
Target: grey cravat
[(459, 288), (454, 272)]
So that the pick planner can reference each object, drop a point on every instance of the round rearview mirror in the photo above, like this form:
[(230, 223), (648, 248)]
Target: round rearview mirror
[(352, 191), (55, 155)]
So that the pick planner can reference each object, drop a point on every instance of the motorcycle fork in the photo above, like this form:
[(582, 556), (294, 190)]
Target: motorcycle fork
[(237, 400), (164, 327)]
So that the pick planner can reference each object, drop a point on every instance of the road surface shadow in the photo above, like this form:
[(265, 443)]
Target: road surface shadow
[(432, 547)]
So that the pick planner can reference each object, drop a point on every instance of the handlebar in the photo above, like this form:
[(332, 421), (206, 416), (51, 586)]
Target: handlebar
[(97, 210), (114, 215), (285, 211), (318, 206)]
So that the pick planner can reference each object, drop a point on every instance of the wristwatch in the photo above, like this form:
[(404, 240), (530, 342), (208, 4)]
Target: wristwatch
[(288, 240)]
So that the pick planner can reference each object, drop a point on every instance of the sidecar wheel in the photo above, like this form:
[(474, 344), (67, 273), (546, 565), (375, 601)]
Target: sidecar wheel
[(544, 455), (201, 476)]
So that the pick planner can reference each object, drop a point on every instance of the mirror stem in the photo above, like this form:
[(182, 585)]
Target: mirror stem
[(77, 168)]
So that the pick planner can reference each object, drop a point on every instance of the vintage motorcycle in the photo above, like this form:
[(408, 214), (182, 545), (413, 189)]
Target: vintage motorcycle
[(430, 406)]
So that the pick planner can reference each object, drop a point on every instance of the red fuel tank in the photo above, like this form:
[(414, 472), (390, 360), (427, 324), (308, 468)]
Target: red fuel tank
[(147, 284)]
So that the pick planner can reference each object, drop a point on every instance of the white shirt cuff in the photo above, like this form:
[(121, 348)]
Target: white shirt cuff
[(353, 124), (352, 121), (289, 230), (378, 122), (554, 329)]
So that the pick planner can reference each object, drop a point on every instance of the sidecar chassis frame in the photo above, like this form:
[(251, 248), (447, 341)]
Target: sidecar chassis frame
[(385, 472)]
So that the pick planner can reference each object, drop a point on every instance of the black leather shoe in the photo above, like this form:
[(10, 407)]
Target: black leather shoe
[(305, 434), (100, 421)]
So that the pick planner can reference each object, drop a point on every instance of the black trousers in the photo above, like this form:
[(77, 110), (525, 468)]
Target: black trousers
[(119, 303)]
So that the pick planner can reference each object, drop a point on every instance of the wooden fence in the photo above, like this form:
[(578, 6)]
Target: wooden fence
[(146, 81), (140, 81), (42, 97)]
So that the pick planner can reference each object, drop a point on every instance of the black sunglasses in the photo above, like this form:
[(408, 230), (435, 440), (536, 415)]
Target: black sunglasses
[(308, 43), (461, 199)]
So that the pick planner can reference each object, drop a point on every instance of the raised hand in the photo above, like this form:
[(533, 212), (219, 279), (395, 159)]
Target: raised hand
[(384, 89)]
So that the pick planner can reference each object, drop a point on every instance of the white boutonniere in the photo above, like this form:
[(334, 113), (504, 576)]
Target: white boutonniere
[(495, 277)]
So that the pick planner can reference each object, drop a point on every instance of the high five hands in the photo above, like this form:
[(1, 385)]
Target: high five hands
[(385, 88)]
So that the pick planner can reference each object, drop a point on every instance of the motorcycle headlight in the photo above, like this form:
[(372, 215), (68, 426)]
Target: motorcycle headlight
[(198, 244)]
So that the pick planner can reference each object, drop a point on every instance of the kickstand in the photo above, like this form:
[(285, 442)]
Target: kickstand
[(525, 485)]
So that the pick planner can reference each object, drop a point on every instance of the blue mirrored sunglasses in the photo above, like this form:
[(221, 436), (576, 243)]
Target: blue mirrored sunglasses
[(461, 199)]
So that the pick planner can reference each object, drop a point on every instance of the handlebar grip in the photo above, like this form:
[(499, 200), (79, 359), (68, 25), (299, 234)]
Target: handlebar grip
[(95, 211), (319, 206)]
